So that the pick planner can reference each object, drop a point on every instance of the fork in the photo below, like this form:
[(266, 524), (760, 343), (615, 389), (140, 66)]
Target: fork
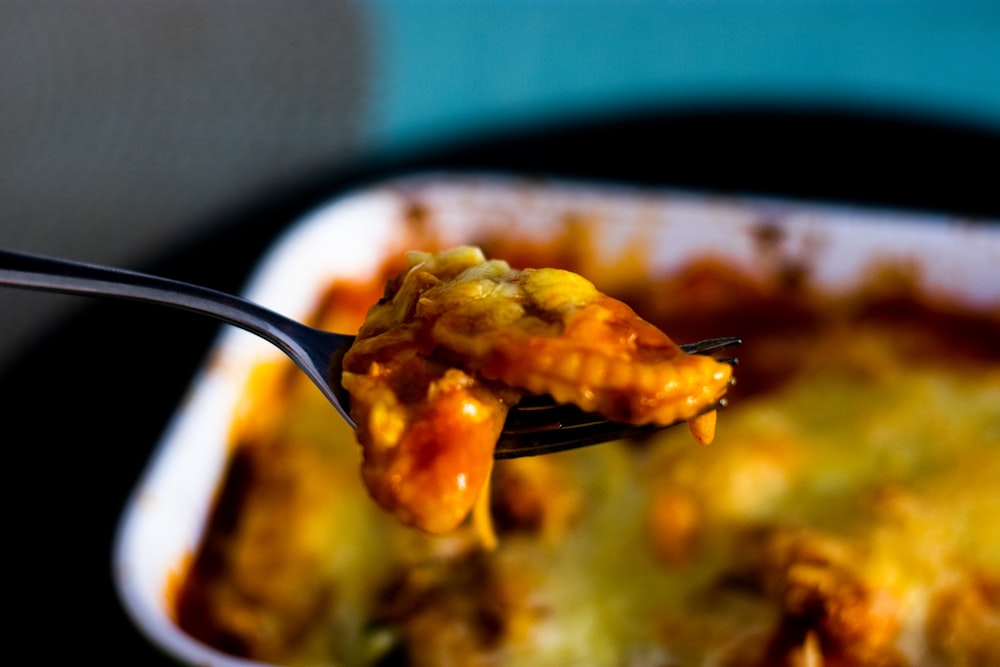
[(535, 426)]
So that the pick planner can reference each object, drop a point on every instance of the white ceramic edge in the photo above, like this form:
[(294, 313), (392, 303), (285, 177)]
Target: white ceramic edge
[(959, 251), (163, 520), (165, 516)]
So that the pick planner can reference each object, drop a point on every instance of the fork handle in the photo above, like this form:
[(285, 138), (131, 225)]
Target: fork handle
[(72, 277), (310, 348)]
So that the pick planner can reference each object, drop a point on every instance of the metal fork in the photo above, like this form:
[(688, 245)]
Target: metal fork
[(536, 426)]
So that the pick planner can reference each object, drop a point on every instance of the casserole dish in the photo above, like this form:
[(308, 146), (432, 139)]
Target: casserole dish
[(771, 546)]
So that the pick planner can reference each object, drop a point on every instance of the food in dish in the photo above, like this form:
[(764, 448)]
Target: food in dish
[(849, 517), (458, 339)]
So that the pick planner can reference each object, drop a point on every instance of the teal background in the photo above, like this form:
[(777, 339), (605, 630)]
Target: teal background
[(450, 68)]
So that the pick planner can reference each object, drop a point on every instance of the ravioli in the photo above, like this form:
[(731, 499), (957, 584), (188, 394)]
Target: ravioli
[(458, 340)]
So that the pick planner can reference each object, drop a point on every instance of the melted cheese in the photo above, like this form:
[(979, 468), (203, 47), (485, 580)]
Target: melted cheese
[(849, 517), (458, 339)]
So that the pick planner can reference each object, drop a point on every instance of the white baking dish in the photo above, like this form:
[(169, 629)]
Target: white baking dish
[(348, 237)]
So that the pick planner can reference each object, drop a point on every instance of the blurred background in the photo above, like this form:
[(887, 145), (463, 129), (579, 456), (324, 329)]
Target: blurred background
[(128, 128), (181, 137)]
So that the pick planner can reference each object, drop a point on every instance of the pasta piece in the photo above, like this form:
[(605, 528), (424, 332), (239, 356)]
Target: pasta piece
[(457, 340), (703, 427)]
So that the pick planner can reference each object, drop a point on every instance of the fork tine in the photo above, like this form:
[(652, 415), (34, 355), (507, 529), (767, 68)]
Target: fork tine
[(712, 345), (544, 417), (590, 430), (516, 445)]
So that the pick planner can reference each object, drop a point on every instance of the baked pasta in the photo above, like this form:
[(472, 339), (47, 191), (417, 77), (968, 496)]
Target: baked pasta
[(458, 339), (849, 516)]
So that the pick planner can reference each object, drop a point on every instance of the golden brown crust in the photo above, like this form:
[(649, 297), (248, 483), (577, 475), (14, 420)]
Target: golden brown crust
[(963, 622), (826, 606)]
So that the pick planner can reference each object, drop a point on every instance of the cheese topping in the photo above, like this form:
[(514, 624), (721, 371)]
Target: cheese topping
[(457, 340), (852, 517)]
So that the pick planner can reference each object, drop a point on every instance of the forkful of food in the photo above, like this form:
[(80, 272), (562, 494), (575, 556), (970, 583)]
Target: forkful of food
[(463, 361)]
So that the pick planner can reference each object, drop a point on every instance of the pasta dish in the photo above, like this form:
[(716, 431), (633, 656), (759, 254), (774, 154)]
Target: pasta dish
[(846, 514)]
